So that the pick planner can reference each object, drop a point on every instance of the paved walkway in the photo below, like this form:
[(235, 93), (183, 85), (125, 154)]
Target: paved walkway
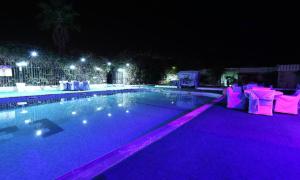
[(220, 144)]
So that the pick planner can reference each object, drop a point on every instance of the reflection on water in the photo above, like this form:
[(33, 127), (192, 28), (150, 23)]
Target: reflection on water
[(45, 118)]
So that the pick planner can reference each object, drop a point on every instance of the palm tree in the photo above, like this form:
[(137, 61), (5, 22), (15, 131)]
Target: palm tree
[(58, 17)]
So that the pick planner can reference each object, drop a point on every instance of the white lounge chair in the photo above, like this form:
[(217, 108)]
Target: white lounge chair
[(261, 101), (287, 104)]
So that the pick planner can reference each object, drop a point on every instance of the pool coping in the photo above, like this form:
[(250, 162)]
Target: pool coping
[(66, 94), (103, 163)]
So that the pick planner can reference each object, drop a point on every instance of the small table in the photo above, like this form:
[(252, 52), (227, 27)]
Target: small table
[(276, 94)]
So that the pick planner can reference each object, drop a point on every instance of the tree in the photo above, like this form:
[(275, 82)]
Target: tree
[(59, 17)]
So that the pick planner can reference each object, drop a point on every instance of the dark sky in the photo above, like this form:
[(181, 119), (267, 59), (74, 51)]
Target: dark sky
[(210, 33)]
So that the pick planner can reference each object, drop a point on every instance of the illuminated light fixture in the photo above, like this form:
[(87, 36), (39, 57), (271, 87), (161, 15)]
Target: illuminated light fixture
[(109, 63), (127, 64), (38, 132), (84, 122), (172, 102), (72, 67), (27, 121), (99, 108), (173, 67), (82, 59), (127, 111), (120, 105), (109, 114), (97, 68), (95, 95), (33, 54), (21, 103), (121, 70), (22, 64), (74, 113)]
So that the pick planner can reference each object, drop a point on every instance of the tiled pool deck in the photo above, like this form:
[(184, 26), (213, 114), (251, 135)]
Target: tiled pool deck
[(220, 144)]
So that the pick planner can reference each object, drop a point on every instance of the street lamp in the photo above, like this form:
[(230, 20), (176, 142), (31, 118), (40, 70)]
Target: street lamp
[(109, 63), (82, 59), (72, 67), (127, 64), (33, 54), (21, 64)]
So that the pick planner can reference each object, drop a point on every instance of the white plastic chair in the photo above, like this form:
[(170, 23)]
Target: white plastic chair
[(261, 101), (288, 104)]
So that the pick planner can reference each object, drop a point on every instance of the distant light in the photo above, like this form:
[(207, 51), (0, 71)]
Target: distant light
[(174, 67), (95, 95), (72, 67), (98, 69), (82, 59), (120, 105), (22, 64), (127, 111), (21, 103), (109, 114), (84, 121), (39, 132), (127, 64), (172, 102), (99, 108), (27, 121), (89, 99), (74, 113), (109, 63), (33, 54), (121, 70)]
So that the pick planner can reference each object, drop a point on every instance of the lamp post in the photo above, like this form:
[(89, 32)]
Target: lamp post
[(33, 54), (72, 67), (20, 65)]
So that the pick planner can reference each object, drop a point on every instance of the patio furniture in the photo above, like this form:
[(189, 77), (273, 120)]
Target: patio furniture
[(248, 92), (188, 78), (235, 99), (84, 86), (287, 104), (20, 87), (76, 86), (249, 86), (261, 101), (68, 86), (62, 85)]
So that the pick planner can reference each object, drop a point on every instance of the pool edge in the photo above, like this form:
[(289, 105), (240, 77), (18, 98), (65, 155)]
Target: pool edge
[(103, 163)]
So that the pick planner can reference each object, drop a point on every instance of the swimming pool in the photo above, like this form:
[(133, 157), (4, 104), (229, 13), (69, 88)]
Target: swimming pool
[(44, 141)]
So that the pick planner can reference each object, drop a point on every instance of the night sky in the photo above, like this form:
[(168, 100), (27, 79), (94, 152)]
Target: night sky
[(214, 34)]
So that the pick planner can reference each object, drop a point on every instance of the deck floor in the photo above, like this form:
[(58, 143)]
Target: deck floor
[(220, 144)]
